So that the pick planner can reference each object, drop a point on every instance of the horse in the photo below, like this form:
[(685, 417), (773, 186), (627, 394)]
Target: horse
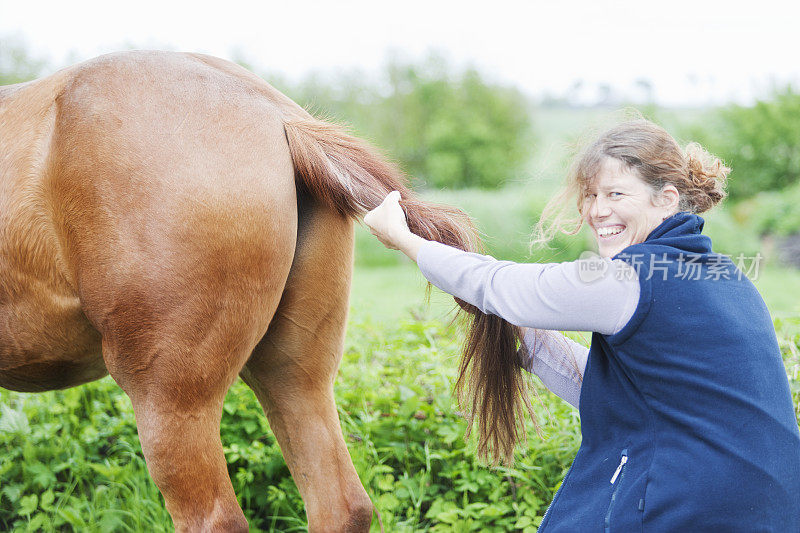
[(174, 221)]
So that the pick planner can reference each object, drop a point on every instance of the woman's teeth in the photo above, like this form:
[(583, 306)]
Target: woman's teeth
[(609, 231)]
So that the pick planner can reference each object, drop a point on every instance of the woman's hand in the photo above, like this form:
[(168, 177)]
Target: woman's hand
[(388, 221)]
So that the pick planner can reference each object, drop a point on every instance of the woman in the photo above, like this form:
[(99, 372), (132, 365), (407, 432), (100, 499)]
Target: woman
[(687, 419)]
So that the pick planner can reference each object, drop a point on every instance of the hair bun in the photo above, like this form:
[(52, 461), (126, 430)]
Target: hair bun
[(707, 175)]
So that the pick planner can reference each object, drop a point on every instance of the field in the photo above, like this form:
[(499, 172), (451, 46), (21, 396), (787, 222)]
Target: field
[(70, 460)]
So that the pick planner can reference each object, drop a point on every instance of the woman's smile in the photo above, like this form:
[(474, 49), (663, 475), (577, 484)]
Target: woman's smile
[(610, 232)]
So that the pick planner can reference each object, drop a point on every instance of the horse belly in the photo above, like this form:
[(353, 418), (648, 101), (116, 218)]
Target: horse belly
[(46, 347)]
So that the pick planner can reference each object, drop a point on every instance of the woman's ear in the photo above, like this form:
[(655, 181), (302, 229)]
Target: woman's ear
[(670, 198)]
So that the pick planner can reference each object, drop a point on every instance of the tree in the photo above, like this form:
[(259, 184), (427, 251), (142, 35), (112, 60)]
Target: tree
[(453, 129), (760, 143)]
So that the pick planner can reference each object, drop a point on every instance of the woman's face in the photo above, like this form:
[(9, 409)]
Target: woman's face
[(619, 207)]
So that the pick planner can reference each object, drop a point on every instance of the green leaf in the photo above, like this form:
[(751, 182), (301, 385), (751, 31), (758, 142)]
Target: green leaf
[(448, 517), (15, 422), (449, 433), (40, 474), (37, 522), (405, 393), (28, 504), (387, 502), (46, 501), (13, 491), (386, 483), (72, 518), (524, 521)]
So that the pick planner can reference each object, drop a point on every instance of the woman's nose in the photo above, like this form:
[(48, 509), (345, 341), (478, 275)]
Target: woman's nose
[(600, 208)]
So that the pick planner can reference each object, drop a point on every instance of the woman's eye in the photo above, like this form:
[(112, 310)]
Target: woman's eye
[(614, 194)]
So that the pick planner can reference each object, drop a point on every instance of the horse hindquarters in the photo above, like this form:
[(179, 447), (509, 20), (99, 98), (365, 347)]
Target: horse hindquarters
[(175, 348), (293, 369), (180, 237)]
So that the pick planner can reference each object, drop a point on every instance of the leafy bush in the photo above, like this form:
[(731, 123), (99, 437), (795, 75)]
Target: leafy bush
[(465, 132), (72, 462), (760, 143), (772, 212)]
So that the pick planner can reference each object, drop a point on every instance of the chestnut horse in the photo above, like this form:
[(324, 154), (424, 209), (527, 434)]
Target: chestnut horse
[(173, 220)]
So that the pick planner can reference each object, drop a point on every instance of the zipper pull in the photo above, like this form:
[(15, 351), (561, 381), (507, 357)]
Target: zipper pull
[(622, 462)]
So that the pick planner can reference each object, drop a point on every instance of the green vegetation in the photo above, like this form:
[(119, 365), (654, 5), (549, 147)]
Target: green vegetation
[(446, 127), (761, 143), (71, 461)]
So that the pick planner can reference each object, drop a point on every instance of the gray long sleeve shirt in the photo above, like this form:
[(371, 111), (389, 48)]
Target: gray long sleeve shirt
[(597, 294)]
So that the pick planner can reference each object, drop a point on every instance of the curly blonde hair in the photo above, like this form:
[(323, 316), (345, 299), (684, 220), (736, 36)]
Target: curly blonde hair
[(646, 148)]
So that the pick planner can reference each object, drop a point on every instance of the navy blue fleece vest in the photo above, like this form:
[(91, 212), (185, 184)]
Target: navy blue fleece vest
[(687, 409)]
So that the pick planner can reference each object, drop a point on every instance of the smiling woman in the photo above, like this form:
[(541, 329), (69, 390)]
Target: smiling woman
[(687, 421), (633, 170)]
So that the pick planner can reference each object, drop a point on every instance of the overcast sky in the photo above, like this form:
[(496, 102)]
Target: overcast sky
[(695, 52)]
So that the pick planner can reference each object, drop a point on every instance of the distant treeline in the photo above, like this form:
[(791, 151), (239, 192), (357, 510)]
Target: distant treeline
[(450, 127), (446, 127), (453, 128)]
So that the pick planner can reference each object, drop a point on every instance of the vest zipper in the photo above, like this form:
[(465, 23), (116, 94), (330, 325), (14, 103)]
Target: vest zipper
[(619, 472), (619, 468)]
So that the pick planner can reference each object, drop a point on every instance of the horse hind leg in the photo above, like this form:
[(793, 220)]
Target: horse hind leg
[(177, 400), (293, 368), (185, 459), (177, 386), (175, 352)]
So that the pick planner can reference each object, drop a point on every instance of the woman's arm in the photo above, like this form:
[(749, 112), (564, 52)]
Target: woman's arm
[(596, 295), (591, 295), (559, 362)]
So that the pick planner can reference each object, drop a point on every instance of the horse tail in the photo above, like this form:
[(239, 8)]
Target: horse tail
[(349, 176)]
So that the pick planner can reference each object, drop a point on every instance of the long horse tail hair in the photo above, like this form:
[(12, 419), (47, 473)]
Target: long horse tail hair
[(348, 175)]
